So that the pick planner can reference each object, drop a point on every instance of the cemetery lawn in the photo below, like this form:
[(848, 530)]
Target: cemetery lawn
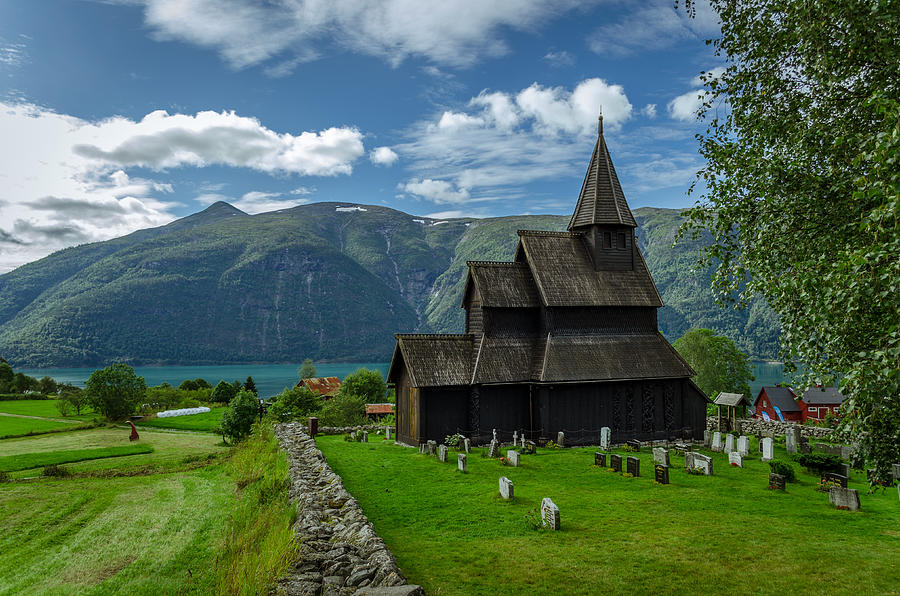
[(727, 533), (207, 421)]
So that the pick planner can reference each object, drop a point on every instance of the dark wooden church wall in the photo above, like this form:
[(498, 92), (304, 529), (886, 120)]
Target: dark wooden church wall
[(444, 412), (504, 407), (474, 317), (607, 319), (511, 322), (612, 253), (405, 408)]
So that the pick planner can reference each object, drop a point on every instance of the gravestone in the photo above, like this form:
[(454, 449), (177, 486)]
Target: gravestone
[(759, 439), (895, 471), (703, 463), (634, 444), (729, 443), (805, 448), (495, 434), (313, 426), (530, 447), (844, 498), (365, 436), (830, 479), (422, 448), (506, 488), (717, 442), (352, 435), (776, 482), (461, 462), (512, 456), (660, 456), (467, 446), (494, 449), (600, 459), (515, 438), (743, 445), (845, 470), (550, 514), (767, 449), (431, 447), (898, 491), (736, 459), (689, 459), (846, 452), (661, 473), (792, 440), (387, 432), (706, 438), (442, 452), (561, 440), (604, 438), (633, 466), (615, 462), (682, 448)]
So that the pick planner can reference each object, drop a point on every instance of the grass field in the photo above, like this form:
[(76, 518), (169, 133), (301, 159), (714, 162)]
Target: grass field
[(726, 533), (25, 461), (45, 408), (11, 426), (207, 421)]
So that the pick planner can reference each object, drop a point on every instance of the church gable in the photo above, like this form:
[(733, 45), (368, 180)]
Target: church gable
[(501, 285)]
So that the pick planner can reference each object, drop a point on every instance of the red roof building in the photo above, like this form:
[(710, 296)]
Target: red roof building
[(378, 411), (817, 402), (327, 387), (779, 404)]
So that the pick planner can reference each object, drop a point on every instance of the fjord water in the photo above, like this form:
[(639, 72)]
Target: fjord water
[(269, 379), (272, 378)]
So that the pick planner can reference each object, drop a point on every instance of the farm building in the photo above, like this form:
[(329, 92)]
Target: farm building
[(563, 338), (327, 387), (817, 402), (778, 403)]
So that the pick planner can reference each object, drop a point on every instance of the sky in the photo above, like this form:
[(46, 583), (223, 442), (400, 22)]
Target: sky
[(118, 115)]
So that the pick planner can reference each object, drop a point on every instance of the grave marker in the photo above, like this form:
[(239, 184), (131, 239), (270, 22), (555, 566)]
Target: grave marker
[(365, 436), (461, 462), (634, 444), (830, 479), (792, 440), (615, 462), (600, 459), (660, 456), (431, 447), (421, 448), (776, 482), (729, 443), (736, 459), (495, 434), (442, 452), (689, 459), (506, 488), (512, 456), (895, 471), (661, 473), (633, 466), (706, 438), (561, 441), (703, 463), (682, 448), (530, 447), (387, 432), (604, 438), (467, 445), (844, 498), (743, 445), (494, 449), (717, 442), (767, 449), (845, 470), (550, 514), (515, 438)]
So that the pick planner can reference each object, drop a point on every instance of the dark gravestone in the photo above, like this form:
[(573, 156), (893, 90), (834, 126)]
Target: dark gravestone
[(599, 459), (633, 466), (805, 448), (830, 479), (682, 448), (530, 447), (634, 444), (776, 482), (313, 426), (661, 473), (615, 462)]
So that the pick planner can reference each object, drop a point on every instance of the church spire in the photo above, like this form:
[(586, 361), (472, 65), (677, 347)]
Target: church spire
[(601, 201)]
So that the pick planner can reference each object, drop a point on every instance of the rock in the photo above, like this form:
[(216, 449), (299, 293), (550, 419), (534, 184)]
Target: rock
[(359, 576), (407, 590)]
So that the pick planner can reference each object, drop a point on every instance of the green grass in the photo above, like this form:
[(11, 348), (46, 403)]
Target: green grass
[(25, 461), (45, 408), (726, 533), (208, 421), (13, 426)]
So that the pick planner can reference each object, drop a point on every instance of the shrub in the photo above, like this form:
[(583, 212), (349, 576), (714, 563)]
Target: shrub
[(64, 407), (453, 440), (343, 410), (4, 476), (56, 471), (237, 421), (784, 468), (294, 403), (819, 463)]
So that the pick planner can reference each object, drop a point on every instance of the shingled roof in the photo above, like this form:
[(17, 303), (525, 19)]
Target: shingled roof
[(501, 284), (434, 360), (601, 200), (565, 275), (782, 397), (820, 396)]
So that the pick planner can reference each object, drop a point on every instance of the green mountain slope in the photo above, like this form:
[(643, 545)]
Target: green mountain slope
[(327, 281)]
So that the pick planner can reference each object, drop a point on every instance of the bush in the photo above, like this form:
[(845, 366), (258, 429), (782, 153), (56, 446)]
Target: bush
[(189, 403), (783, 468), (343, 410), (453, 440), (56, 471), (294, 403), (237, 421), (64, 407), (820, 463)]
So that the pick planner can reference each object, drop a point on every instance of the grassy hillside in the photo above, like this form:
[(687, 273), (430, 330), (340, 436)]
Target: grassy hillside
[(325, 281)]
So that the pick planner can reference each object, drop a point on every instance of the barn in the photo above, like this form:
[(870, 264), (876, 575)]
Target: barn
[(563, 338), (778, 403)]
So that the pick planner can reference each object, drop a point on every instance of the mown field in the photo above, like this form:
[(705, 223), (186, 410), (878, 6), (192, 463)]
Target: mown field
[(207, 421), (45, 408), (727, 533)]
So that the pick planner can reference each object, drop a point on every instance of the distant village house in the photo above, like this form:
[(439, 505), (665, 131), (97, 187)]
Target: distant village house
[(782, 404), (327, 387)]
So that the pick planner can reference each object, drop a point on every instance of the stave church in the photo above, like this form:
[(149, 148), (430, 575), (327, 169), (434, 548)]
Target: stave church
[(563, 338)]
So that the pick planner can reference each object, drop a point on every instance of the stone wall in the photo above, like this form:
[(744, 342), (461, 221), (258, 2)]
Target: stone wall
[(340, 553), (753, 426), (342, 430)]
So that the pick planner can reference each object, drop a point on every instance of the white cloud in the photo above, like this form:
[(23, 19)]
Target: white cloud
[(13, 54), (499, 108), (649, 110), (557, 111), (458, 120), (438, 191), (64, 180), (383, 156), (653, 25), (686, 106), (303, 190), (247, 32), (559, 59), (253, 202)]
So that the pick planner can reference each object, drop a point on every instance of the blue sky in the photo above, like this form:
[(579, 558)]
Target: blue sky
[(120, 115)]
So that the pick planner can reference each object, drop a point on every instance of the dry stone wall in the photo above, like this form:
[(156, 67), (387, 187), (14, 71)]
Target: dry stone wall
[(754, 426), (340, 553)]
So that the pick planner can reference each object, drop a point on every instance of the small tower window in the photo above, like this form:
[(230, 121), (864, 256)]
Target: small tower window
[(621, 242), (607, 239)]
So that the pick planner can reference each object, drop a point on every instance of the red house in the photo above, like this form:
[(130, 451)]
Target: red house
[(778, 403), (818, 401), (327, 387)]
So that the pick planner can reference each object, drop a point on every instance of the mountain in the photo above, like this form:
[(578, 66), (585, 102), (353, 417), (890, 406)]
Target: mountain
[(329, 281)]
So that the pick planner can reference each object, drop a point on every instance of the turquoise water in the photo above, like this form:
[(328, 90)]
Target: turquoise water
[(272, 378)]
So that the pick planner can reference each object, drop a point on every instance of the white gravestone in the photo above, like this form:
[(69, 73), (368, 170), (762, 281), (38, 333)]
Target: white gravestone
[(706, 438), (604, 438), (466, 445), (743, 445), (767, 449), (512, 457), (703, 463), (365, 436), (729, 443), (736, 459), (515, 438), (688, 459), (792, 440), (495, 434), (442, 452), (387, 432), (461, 462), (494, 449), (560, 440), (844, 498), (522, 438), (506, 488), (717, 442), (550, 514), (431, 447), (660, 456)]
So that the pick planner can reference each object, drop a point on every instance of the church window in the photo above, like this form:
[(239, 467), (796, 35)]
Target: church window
[(607, 239), (621, 242)]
